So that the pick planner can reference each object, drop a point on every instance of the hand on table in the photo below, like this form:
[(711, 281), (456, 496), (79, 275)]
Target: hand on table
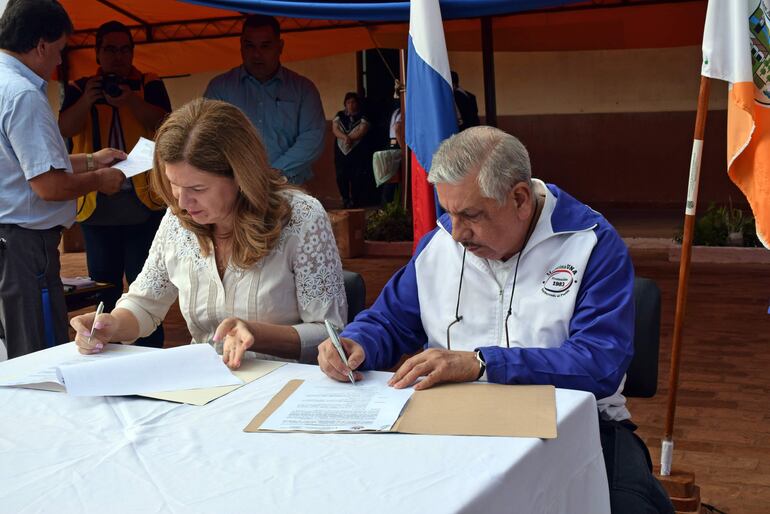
[(237, 337), (437, 366)]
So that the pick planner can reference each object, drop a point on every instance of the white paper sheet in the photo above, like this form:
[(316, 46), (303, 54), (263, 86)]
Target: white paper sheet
[(40, 367), (123, 370), (139, 160), (78, 282), (325, 405), (191, 366)]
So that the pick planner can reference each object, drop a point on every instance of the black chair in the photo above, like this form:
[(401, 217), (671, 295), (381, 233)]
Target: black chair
[(642, 374), (355, 291)]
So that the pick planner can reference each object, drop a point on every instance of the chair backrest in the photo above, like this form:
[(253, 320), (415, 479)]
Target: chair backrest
[(642, 374), (355, 290)]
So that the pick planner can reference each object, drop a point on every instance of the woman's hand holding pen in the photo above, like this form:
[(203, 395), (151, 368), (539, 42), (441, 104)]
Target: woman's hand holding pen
[(330, 362), (104, 329)]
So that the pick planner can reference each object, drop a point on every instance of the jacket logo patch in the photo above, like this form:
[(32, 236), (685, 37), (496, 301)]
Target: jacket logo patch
[(559, 280)]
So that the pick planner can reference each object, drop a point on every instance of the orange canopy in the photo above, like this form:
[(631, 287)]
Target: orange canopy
[(174, 38)]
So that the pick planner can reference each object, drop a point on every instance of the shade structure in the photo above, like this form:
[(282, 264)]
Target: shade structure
[(175, 37)]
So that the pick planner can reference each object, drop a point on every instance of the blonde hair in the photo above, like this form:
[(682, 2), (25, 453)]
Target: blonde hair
[(216, 137)]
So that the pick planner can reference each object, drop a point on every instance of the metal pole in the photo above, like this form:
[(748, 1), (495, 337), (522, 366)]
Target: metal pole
[(667, 448), (407, 152), (488, 59)]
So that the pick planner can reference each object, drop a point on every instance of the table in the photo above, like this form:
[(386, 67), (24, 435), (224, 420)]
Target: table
[(82, 297), (64, 454)]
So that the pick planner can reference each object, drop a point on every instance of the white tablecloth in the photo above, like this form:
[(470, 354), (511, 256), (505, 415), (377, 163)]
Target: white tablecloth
[(62, 454)]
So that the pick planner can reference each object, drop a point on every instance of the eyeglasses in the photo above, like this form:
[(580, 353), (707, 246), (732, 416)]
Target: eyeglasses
[(115, 50), (458, 317)]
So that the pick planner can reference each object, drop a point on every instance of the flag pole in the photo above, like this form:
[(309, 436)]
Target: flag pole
[(488, 64), (406, 156), (667, 447)]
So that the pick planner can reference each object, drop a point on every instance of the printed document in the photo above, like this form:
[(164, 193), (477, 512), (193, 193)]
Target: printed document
[(124, 370), (139, 160), (325, 405)]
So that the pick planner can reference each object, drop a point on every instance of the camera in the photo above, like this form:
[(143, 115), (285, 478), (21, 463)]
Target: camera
[(111, 83)]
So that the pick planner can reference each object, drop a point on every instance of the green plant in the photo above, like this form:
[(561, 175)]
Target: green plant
[(734, 219), (391, 223), (712, 228)]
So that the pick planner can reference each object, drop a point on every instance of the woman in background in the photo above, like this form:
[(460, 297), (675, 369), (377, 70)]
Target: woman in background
[(352, 156)]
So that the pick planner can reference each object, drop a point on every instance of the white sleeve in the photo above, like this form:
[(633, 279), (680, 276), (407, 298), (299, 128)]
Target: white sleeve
[(318, 278)]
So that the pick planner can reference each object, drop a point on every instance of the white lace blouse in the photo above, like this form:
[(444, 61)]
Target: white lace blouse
[(299, 283)]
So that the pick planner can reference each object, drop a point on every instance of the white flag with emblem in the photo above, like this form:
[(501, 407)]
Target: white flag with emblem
[(736, 49)]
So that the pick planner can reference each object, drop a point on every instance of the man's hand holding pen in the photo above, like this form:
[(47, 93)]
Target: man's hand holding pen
[(331, 363)]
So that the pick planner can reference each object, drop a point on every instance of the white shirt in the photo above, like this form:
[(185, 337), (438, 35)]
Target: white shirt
[(299, 283)]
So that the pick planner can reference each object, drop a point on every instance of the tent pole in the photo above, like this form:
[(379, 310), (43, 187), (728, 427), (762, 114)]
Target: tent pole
[(407, 152), (684, 273), (488, 59)]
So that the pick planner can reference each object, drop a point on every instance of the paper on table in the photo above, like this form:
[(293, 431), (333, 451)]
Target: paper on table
[(139, 160), (250, 370), (459, 409), (78, 282), (325, 405), (190, 366), (40, 367), (38, 371)]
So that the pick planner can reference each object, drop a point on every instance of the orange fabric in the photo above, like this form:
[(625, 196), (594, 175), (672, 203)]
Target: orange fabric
[(613, 27), (749, 168)]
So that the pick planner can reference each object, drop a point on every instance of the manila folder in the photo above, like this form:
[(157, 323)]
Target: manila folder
[(463, 409)]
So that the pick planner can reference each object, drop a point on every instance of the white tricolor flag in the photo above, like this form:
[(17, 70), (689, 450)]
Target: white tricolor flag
[(736, 49)]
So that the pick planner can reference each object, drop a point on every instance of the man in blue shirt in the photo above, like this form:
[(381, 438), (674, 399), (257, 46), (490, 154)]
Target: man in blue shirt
[(284, 106), (39, 182)]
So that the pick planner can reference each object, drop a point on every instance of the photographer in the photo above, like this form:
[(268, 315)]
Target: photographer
[(115, 108)]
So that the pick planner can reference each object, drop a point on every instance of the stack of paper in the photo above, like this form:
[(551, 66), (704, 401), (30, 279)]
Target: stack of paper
[(121, 370)]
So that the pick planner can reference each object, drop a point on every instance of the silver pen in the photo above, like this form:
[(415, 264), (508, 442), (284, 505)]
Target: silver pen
[(99, 310), (332, 331)]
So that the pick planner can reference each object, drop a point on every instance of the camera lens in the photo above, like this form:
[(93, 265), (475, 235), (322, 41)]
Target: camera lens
[(111, 85)]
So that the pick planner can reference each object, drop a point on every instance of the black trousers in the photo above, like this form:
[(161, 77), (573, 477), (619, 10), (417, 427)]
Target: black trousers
[(114, 251), (29, 265), (633, 487), (355, 180)]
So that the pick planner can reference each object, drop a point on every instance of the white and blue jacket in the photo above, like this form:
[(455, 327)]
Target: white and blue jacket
[(572, 319)]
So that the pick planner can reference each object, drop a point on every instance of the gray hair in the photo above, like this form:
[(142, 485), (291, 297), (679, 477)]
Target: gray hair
[(502, 161)]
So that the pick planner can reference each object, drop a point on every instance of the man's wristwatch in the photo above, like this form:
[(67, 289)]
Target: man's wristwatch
[(90, 162), (482, 363)]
